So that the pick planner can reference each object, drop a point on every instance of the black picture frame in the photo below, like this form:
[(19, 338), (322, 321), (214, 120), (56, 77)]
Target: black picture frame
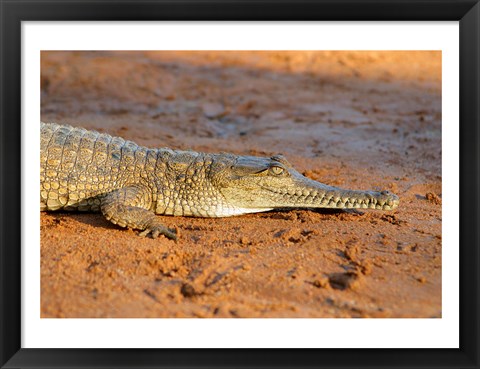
[(467, 12)]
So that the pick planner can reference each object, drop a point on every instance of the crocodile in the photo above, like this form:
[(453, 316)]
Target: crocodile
[(129, 184)]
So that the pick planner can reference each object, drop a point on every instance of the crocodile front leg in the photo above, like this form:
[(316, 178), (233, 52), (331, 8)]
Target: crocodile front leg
[(129, 207)]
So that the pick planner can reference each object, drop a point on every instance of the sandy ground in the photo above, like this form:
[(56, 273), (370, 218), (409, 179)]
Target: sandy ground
[(360, 120)]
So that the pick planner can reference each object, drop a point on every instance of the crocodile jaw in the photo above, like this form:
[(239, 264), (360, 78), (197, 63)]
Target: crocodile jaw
[(320, 196), (306, 193), (338, 199)]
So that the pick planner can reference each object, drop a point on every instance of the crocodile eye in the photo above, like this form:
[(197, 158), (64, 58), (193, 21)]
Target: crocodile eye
[(276, 170)]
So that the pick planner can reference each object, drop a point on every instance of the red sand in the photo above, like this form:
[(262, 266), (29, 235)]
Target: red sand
[(360, 120)]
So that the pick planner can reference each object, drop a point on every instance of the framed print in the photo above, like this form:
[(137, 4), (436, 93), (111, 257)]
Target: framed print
[(273, 184)]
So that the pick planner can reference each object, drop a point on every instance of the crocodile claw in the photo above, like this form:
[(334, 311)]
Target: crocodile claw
[(157, 230)]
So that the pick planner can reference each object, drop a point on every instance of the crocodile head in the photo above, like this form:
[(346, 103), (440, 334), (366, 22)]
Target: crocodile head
[(253, 184)]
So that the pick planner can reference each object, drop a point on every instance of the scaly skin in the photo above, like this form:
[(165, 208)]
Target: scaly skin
[(90, 171)]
